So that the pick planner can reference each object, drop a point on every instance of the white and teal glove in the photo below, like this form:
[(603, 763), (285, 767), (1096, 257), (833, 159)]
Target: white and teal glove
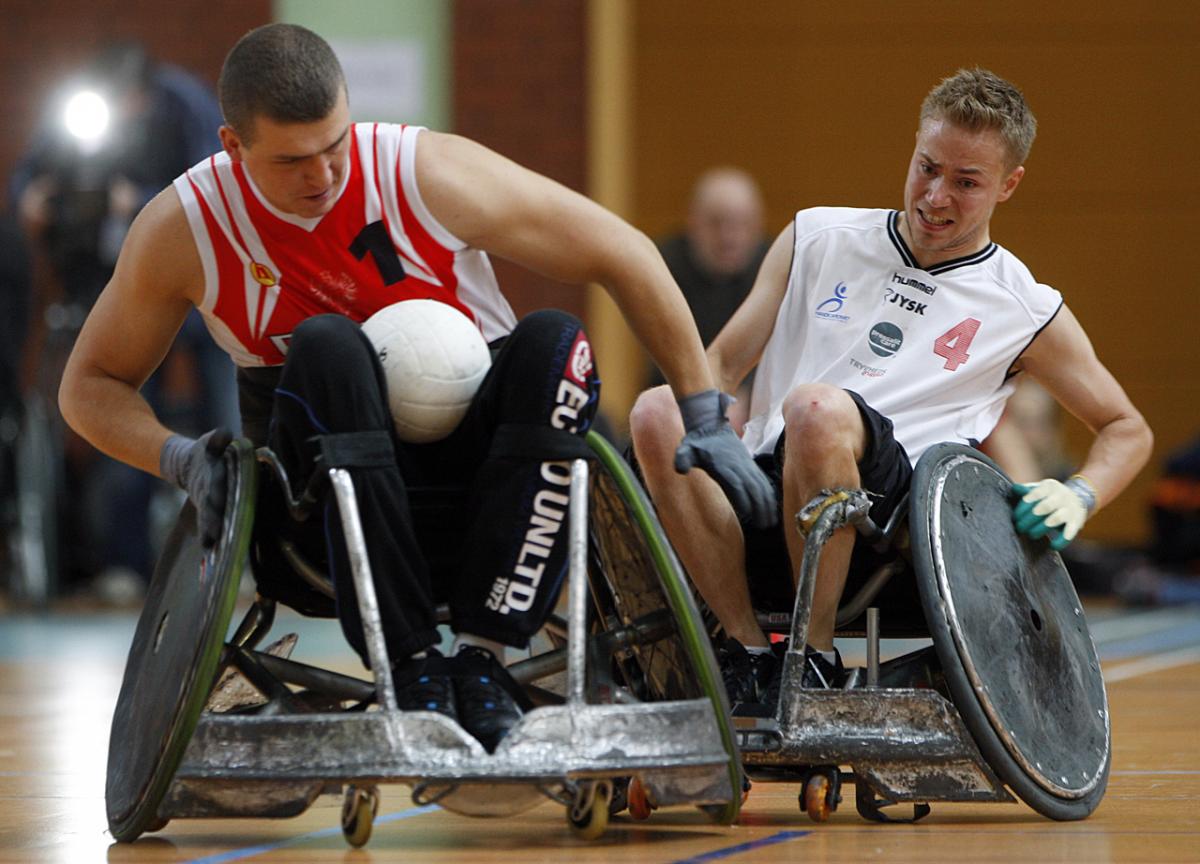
[(1055, 509)]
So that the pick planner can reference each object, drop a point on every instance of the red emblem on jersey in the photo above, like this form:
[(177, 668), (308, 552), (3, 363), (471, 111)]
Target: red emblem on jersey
[(262, 274)]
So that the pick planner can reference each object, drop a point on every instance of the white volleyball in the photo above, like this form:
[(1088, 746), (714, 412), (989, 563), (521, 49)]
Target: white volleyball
[(434, 358)]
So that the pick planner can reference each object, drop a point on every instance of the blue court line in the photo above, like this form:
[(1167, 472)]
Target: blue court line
[(729, 851), (250, 851), (1180, 636)]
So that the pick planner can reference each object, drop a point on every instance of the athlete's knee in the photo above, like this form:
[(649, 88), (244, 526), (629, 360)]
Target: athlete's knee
[(334, 339), (321, 329), (819, 416), (655, 425), (547, 321)]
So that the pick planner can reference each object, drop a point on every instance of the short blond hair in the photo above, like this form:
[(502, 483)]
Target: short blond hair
[(978, 99)]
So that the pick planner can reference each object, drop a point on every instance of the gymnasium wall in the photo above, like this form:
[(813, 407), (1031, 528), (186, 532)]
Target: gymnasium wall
[(819, 101), (520, 88)]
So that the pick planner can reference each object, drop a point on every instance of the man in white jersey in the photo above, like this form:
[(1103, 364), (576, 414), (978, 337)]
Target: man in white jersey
[(299, 230), (878, 333)]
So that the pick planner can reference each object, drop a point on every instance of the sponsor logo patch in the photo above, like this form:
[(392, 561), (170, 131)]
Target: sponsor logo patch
[(923, 287), (831, 307), (867, 371), (885, 339), (891, 295), (579, 361)]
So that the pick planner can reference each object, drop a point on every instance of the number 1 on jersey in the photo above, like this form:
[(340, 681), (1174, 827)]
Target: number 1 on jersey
[(953, 344), (374, 238)]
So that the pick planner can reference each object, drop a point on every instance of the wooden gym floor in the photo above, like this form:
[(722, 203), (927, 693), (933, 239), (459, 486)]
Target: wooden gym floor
[(59, 676)]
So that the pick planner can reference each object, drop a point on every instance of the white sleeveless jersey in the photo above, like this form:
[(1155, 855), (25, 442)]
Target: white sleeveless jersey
[(265, 271), (930, 349)]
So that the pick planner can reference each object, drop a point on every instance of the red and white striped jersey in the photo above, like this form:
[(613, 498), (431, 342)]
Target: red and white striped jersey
[(265, 271)]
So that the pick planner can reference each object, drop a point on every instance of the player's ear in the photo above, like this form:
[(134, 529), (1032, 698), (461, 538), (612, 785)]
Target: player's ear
[(1010, 183), (232, 143)]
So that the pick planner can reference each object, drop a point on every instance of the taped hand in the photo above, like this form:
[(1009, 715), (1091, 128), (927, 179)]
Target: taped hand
[(197, 466), (709, 443), (1057, 509)]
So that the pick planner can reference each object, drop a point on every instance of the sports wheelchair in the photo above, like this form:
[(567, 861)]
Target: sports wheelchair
[(1009, 699), (642, 714)]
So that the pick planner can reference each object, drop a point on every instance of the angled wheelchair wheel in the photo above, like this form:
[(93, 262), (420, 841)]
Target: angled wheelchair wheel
[(1010, 632), (636, 578), (175, 654)]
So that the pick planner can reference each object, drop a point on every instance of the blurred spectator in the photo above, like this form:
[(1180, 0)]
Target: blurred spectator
[(1170, 572), (14, 315), (1175, 508), (1028, 441), (716, 257), (119, 133)]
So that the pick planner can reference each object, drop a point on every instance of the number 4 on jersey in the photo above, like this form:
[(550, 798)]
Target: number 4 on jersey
[(953, 344)]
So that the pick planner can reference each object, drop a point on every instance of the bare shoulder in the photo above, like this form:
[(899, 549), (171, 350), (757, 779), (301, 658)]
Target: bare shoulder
[(160, 251), (1060, 342), (480, 195)]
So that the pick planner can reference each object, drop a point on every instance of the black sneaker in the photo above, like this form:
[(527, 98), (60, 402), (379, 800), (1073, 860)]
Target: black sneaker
[(745, 675), (423, 684), (486, 695), (770, 693), (819, 673)]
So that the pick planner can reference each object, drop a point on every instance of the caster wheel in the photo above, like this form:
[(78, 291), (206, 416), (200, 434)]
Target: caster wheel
[(819, 797), (358, 814), (588, 816), (640, 805)]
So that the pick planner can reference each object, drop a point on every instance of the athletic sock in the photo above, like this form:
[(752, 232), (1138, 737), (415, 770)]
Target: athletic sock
[(464, 639)]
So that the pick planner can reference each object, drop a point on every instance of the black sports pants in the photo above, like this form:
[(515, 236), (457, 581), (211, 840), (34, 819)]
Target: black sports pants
[(496, 533)]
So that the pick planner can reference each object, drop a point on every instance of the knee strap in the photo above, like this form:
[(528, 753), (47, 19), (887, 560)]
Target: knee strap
[(371, 449), (532, 441)]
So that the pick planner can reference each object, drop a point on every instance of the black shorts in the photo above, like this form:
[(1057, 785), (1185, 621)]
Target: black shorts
[(885, 473)]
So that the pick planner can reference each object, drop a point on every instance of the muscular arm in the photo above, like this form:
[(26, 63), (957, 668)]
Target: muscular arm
[(739, 345), (157, 279), (496, 205), (1063, 360)]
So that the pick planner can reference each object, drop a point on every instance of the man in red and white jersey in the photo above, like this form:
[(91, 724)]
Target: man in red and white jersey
[(298, 231), (877, 333)]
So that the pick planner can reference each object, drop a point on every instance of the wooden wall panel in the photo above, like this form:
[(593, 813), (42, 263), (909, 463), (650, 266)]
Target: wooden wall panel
[(519, 70)]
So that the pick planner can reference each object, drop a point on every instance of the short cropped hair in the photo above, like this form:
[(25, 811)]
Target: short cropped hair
[(283, 72), (977, 99)]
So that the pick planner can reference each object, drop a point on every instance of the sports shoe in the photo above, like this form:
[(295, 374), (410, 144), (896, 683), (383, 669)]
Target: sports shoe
[(819, 673), (486, 695), (745, 675), (423, 684), (770, 693)]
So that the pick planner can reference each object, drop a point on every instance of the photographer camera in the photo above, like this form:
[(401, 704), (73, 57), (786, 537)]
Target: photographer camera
[(118, 132)]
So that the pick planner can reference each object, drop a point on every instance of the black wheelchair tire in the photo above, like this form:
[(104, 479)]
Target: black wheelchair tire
[(965, 698), (145, 751)]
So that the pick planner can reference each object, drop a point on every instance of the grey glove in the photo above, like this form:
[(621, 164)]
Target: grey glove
[(710, 443), (197, 466)]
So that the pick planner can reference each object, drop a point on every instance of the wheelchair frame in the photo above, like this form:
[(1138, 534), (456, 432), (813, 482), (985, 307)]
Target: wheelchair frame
[(276, 761), (906, 741)]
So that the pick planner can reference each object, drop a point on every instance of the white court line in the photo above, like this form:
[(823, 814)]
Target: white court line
[(1153, 663)]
